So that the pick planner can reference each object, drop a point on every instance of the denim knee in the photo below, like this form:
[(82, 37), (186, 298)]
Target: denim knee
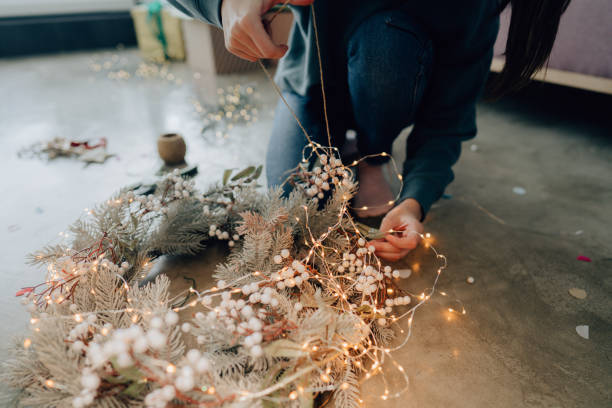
[(386, 45), (389, 60)]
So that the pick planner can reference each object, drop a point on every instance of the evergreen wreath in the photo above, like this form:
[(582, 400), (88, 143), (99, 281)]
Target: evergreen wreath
[(302, 307)]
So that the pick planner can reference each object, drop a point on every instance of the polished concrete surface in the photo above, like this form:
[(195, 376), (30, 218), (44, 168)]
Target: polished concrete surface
[(517, 344)]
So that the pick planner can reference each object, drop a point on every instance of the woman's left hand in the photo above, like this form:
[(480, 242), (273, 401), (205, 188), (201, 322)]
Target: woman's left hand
[(405, 218)]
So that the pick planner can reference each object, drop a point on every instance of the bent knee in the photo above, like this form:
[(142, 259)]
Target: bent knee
[(388, 47)]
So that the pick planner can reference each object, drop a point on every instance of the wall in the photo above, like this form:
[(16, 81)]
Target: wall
[(10, 8)]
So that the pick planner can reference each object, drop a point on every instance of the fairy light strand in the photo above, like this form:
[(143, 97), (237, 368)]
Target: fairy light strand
[(366, 355)]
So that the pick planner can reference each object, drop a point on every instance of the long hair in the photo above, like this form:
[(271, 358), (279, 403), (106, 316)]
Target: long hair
[(532, 33)]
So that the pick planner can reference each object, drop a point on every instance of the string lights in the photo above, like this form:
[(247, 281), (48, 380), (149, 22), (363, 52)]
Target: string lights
[(252, 309), (302, 306)]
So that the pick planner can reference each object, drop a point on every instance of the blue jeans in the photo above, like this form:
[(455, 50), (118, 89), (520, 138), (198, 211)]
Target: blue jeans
[(376, 90)]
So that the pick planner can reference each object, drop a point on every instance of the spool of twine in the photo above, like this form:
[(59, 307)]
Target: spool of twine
[(171, 148)]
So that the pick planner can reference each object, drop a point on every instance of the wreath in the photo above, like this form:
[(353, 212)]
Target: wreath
[(302, 309)]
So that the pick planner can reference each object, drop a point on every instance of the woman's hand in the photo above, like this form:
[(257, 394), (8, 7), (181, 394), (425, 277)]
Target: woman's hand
[(404, 217), (245, 35)]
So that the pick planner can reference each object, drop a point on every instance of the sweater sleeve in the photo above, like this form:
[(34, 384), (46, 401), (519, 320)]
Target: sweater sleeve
[(446, 118), (207, 10)]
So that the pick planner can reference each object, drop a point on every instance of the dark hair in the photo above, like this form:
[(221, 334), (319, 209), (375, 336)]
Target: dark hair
[(533, 29)]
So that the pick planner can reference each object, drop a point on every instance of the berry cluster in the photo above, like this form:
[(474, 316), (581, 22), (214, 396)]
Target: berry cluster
[(214, 231), (160, 397), (122, 345), (148, 202), (176, 186), (318, 181), (398, 301), (90, 382), (246, 317), (369, 279), (289, 276)]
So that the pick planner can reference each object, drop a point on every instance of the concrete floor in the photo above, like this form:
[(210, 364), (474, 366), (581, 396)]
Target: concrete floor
[(517, 344)]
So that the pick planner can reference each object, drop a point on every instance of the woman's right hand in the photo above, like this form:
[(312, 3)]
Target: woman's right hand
[(244, 32)]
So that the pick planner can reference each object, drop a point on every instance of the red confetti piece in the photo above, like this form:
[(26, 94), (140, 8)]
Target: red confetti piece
[(87, 146), (583, 258)]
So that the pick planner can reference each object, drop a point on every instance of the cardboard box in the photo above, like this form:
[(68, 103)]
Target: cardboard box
[(205, 46), (206, 52), (146, 34)]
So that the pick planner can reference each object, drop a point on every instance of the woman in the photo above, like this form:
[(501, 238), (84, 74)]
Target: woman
[(387, 64)]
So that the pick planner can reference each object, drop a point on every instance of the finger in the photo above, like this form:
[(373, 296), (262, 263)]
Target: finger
[(240, 40), (267, 49), (387, 224), (244, 42), (385, 247), (240, 52), (414, 227), (390, 256), (408, 242)]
